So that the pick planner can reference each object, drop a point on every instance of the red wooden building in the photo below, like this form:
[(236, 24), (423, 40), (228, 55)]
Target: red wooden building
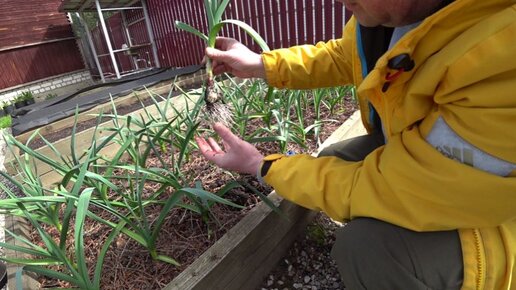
[(36, 42)]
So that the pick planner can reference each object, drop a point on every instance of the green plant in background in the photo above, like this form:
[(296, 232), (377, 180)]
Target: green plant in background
[(50, 96), (278, 131), (28, 97), (317, 99), (317, 233), (8, 107), (183, 132), (5, 122), (336, 96), (158, 131), (248, 103), (23, 99), (283, 114)]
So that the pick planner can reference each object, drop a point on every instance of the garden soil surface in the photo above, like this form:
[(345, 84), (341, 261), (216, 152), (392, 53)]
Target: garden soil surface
[(186, 235)]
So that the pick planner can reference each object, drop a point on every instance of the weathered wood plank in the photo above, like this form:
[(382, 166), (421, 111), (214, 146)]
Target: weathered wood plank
[(246, 252), (89, 114), (20, 227), (351, 128)]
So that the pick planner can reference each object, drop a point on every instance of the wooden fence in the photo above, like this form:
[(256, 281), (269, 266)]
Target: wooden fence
[(282, 23)]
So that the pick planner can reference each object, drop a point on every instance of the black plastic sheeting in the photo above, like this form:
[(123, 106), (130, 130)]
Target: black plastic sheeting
[(46, 112)]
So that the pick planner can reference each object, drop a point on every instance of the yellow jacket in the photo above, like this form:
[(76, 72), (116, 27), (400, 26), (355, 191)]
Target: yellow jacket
[(464, 78)]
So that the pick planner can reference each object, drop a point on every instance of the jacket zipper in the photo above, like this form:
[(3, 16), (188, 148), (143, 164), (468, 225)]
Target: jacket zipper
[(364, 72), (480, 265)]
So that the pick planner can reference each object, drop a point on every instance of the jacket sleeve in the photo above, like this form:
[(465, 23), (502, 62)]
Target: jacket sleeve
[(312, 66), (398, 183)]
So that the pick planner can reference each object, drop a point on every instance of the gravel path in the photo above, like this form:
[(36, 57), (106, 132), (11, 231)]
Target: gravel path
[(308, 265)]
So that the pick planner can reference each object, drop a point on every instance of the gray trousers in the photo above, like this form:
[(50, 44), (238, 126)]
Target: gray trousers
[(372, 254)]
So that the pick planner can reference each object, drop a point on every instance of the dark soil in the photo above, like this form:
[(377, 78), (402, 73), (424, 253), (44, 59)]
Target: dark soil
[(81, 126), (185, 235)]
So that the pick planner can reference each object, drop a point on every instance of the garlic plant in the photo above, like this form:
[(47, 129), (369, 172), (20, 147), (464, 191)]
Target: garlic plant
[(217, 111)]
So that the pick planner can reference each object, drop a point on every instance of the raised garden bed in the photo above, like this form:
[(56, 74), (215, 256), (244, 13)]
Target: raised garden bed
[(250, 241), (125, 104)]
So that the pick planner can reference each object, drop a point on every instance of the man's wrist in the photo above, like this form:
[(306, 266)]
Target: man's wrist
[(265, 165), (262, 170), (259, 68)]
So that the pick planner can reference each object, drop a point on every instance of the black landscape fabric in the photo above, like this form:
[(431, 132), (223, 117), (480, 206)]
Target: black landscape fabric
[(49, 111)]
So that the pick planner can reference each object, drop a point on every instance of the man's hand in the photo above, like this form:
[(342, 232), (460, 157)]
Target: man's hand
[(237, 155), (233, 57)]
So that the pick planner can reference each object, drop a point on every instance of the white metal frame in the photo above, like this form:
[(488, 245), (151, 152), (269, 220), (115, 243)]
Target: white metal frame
[(111, 54), (92, 46)]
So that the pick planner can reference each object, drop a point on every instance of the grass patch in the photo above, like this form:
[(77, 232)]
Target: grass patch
[(5, 122)]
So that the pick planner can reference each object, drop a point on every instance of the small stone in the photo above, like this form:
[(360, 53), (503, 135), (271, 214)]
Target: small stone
[(298, 285), (306, 279)]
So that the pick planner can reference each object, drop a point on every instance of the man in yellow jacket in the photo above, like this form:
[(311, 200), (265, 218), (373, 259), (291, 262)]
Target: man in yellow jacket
[(430, 193)]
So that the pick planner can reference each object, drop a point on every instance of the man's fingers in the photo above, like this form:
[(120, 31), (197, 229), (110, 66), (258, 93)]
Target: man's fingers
[(227, 147), (204, 147), (208, 152), (223, 42), (214, 145), (215, 53), (226, 134), (219, 69)]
